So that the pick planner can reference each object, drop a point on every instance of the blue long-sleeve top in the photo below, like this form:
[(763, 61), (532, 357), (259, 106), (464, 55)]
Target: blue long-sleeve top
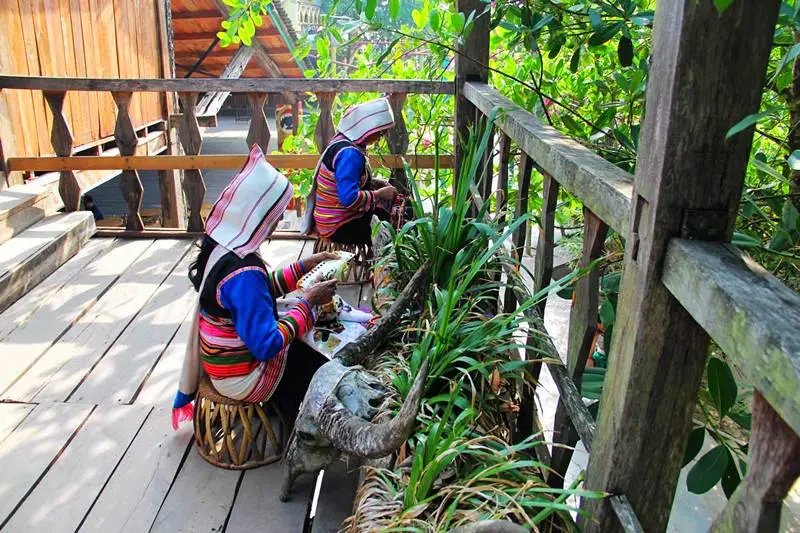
[(248, 298), (348, 168)]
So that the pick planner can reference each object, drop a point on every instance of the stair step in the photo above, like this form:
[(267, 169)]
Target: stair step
[(38, 251), (24, 205)]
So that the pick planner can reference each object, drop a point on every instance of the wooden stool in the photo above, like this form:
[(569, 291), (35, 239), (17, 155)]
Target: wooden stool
[(362, 263), (233, 434)]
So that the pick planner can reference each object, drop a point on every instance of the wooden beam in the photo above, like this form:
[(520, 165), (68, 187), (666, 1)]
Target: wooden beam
[(175, 233), (748, 312), (210, 35), (265, 60), (689, 179), (272, 85), (215, 161), (212, 102), (191, 15), (472, 60), (600, 185), (243, 85)]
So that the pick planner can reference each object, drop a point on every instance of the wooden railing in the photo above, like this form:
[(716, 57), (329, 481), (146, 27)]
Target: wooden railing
[(710, 288), (190, 136)]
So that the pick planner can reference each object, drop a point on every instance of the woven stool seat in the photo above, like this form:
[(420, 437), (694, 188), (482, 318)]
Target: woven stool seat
[(234, 434), (362, 262)]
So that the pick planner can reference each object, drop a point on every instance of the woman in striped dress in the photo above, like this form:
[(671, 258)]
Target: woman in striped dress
[(249, 352), (345, 195)]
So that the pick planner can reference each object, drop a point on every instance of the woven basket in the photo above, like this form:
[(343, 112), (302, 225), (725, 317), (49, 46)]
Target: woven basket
[(236, 435)]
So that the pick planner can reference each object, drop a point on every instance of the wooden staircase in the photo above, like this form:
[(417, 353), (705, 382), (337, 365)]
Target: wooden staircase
[(35, 239)]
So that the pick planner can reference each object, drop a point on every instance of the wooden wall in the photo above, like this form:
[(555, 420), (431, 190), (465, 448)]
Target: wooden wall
[(75, 38)]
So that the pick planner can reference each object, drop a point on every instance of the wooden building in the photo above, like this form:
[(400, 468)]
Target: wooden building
[(133, 39), (79, 38)]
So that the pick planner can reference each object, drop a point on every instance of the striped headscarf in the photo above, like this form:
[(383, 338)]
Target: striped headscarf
[(362, 120), (253, 201)]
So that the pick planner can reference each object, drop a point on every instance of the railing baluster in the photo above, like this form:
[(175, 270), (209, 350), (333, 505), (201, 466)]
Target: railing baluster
[(773, 468), (502, 179), (259, 129), (325, 129), (125, 137), (582, 327), (523, 191), (543, 269), (192, 141), (521, 208), (397, 139), (62, 139), (487, 166)]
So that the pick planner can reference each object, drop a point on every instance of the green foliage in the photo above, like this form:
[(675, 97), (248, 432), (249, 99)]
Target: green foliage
[(708, 471), (724, 417), (461, 464), (243, 19)]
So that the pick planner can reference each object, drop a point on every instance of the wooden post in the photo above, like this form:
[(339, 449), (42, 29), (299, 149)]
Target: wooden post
[(472, 60), (325, 129), (773, 468), (543, 267), (125, 137), (173, 209), (397, 139), (707, 74), (582, 327), (192, 140), (61, 137), (259, 129)]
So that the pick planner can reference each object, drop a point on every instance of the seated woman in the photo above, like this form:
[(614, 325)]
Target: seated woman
[(249, 353), (345, 196)]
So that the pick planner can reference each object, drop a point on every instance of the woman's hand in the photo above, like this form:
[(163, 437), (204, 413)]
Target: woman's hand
[(313, 260), (321, 293), (386, 194)]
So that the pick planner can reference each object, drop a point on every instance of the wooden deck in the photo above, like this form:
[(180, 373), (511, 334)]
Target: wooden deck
[(89, 364)]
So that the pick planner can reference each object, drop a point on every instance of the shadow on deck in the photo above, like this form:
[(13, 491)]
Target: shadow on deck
[(90, 363)]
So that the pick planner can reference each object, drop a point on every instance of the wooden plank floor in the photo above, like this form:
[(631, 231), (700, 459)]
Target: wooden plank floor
[(89, 361)]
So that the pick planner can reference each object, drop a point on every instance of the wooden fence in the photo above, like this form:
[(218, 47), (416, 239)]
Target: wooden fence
[(190, 136)]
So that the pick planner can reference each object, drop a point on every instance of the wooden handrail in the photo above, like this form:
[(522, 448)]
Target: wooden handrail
[(600, 185), (748, 312), (240, 85), (215, 161)]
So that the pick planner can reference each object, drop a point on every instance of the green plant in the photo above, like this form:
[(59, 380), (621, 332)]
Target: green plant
[(243, 18)]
